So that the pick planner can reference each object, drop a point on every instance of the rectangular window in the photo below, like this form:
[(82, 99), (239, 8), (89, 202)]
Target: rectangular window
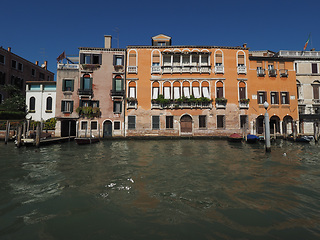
[(274, 98), (41, 76), (284, 98), (117, 107), (220, 121), (33, 72), (117, 84), (90, 58), (131, 122), (316, 91), (132, 92), (13, 64), (314, 67), (244, 121), (94, 125), (155, 122), (20, 67), (202, 121), (155, 92), (116, 125), (219, 92), (118, 60), (84, 125), (167, 94), (2, 58), (67, 85), (66, 106), (169, 122), (262, 97)]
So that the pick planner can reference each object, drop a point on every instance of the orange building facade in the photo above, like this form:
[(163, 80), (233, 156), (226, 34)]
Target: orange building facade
[(186, 90), (272, 79)]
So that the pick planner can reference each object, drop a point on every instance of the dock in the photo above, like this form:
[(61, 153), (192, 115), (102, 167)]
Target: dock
[(47, 141)]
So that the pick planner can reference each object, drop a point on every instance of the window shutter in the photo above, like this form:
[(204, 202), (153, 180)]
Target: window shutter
[(100, 59), (315, 91), (63, 85), (90, 87), (132, 59), (72, 86), (114, 60), (281, 65), (81, 83), (71, 106), (259, 64), (240, 59), (218, 58), (62, 106)]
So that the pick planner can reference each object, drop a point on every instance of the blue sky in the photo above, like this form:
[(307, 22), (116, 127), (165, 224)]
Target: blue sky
[(41, 30)]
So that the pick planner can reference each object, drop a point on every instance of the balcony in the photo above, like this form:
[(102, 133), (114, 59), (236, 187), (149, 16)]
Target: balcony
[(300, 101), (316, 101), (272, 72), (181, 103), (132, 69), (117, 93), (242, 70), (185, 69), (283, 72), (261, 72), (219, 69), (155, 69), (85, 92), (221, 103)]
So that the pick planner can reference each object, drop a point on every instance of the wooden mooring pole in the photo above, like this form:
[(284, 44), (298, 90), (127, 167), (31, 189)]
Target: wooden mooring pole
[(6, 138), (19, 134), (38, 135)]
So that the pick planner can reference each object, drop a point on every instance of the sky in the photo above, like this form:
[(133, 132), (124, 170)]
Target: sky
[(42, 30)]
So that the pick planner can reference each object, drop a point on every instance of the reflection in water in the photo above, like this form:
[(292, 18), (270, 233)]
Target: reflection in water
[(167, 189)]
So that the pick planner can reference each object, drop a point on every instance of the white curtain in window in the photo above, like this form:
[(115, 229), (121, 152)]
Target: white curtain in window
[(155, 93), (196, 92), (205, 92), (186, 92), (176, 92), (166, 92), (132, 92)]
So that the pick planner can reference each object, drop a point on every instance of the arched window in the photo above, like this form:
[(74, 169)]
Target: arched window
[(132, 61), (155, 90), (205, 89), (132, 89), (117, 84), (86, 82), (241, 59), (167, 90), (242, 90), (176, 90), (32, 104), (49, 104), (219, 90), (196, 89), (186, 89)]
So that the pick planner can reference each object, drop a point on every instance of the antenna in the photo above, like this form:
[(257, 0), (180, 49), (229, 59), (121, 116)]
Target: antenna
[(43, 54), (117, 31)]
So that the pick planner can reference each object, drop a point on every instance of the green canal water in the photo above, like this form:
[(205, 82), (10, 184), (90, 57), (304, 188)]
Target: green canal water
[(167, 189)]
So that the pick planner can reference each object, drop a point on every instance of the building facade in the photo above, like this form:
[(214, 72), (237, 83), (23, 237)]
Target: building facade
[(272, 79), (307, 67), (16, 71), (185, 90), (40, 100), (91, 93)]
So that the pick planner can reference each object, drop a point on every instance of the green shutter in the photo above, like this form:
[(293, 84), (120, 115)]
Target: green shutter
[(90, 83), (63, 85), (72, 86), (81, 83), (62, 106), (71, 107)]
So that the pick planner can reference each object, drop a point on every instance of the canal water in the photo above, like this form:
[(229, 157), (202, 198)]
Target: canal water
[(166, 189)]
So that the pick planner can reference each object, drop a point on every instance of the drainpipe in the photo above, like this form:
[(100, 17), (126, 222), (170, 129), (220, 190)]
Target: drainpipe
[(125, 93)]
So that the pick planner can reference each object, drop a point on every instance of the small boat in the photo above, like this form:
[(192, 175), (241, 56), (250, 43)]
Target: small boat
[(303, 139), (86, 140), (252, 138), (235, 137)]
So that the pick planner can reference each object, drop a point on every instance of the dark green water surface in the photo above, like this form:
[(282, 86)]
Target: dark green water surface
[(167, 189)]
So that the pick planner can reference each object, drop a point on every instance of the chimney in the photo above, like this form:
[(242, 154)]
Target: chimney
[(107, 41), (312, 49), (245, 45), (45, 65), (9, 49), (37, 63)]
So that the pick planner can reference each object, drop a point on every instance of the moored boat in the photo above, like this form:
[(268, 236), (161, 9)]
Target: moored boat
[(86, 140), (235, 137), (251, 138)]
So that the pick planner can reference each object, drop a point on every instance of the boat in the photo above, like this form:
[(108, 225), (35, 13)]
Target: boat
[(235, 137), (86, 140), (251, 138), (304, 139)]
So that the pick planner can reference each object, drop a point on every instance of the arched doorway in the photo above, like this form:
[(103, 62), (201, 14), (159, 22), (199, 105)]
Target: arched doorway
[(287, 125), (259, 124), (107, 129), (274, 124), (186, 124)]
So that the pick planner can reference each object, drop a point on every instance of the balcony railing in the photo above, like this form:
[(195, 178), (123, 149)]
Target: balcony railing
[(219, 69), (272, 72), (317, 101), (132, 69), (186, 69), (261, 72), (242, 70), (300, 101), (243, 104), (155, 69), (118, 93), (68, 66), (283, 72), (86, 92), (177, 105)]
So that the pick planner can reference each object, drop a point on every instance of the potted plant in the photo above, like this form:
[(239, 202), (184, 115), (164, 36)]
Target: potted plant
[(244, 100), (221, 100)]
